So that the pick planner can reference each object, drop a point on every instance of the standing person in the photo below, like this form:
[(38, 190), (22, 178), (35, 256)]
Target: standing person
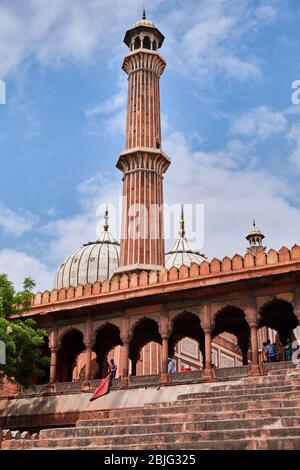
[(112, 370), (105, 383), (171, 365), (266, 351), (288, 350), (271, 351)]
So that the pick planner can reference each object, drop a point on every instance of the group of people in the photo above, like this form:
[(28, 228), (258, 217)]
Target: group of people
[(272, 351)]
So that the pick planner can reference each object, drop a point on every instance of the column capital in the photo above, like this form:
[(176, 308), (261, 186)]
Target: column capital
[(126, 338), (251, 314)]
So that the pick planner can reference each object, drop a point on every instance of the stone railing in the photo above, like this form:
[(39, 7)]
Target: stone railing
[(206, 269)]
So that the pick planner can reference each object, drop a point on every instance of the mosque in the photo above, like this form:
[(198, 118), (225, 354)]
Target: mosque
[(139, 302)]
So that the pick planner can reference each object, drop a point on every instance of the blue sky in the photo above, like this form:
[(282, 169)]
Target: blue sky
[(229, 124)]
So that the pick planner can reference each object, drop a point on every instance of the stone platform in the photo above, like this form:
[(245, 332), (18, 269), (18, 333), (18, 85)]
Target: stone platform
[(261, 412)]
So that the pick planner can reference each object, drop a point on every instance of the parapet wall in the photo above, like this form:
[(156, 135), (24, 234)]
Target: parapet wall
[(236, 264)]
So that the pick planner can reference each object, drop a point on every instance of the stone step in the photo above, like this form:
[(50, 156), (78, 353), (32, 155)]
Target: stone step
[(270, 443), (177, 427), (171, 408), (259, 382), (190, 416), (281, 371), (233, 399), (163, 438), (242, 391)]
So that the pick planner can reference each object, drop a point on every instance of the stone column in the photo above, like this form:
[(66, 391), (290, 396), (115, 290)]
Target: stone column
[(125, 358), (252, 320), (208, 352), (88, 341), (53, 362), (88, 365), (164, 333), (254, 344), (207, 326), (165, 353), (53, 348)]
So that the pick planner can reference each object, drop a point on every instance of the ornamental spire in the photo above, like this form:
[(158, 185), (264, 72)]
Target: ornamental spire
[(181, 232), (144, 13), (106, 226)]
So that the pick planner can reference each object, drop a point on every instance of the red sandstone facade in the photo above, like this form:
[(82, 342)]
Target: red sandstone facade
[(241, 296), (145, 303)]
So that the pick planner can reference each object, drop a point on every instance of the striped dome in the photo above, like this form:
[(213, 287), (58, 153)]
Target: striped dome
[(181, 252), (94, 261)]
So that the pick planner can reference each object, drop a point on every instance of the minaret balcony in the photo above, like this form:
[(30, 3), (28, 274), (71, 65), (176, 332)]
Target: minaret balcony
[(143, 158), (144, 59)]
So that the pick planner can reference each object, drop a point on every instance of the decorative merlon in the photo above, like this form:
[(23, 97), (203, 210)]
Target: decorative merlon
[(214, 268)]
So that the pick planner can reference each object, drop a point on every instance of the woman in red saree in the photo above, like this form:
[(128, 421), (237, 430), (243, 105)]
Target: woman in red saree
[(105, 383)]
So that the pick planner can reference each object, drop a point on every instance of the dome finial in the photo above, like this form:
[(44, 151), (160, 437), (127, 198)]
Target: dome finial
[(253, 223), (144, 13), (181, 224), (105, 226)]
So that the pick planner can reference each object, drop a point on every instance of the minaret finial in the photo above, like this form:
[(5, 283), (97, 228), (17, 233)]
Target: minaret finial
[(144, 13), (253, 223), (181, 224), (105, 226)]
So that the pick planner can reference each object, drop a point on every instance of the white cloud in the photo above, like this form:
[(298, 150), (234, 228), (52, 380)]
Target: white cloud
[(68, 234), (53, 31), (232, 198), (112, 112), (18, 265), (115, 103), (16, 223), (204, 38), (224, 181), (261, 123), (294, 138), (213, 39)]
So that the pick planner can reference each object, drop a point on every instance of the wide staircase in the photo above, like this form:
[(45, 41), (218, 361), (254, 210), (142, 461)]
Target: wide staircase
[(261, 412)]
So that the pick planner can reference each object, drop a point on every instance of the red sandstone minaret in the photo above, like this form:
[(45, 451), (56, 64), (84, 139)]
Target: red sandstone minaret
[(143, 162)]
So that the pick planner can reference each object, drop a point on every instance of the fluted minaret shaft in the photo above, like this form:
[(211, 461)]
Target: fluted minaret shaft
[(143, 162)]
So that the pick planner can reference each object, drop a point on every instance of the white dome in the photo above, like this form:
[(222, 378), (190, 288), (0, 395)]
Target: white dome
[(181, 252), (143, 22), (94, 261)]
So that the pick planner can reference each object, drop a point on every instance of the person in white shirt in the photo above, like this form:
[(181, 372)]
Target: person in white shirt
[(171, 365)]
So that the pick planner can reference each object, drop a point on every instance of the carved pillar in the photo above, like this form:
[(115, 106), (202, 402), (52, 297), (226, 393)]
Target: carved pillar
[(124, 359), (164, 333), (208, 349), (165, 349), (207, 326), (252, 320), (254, 344), (53, 347), (88, 341), (53, 362)]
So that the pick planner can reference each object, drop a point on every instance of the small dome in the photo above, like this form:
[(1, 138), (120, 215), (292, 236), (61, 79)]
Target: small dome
[(143, 22), (181, 253), (94, 261), (254, 231)]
